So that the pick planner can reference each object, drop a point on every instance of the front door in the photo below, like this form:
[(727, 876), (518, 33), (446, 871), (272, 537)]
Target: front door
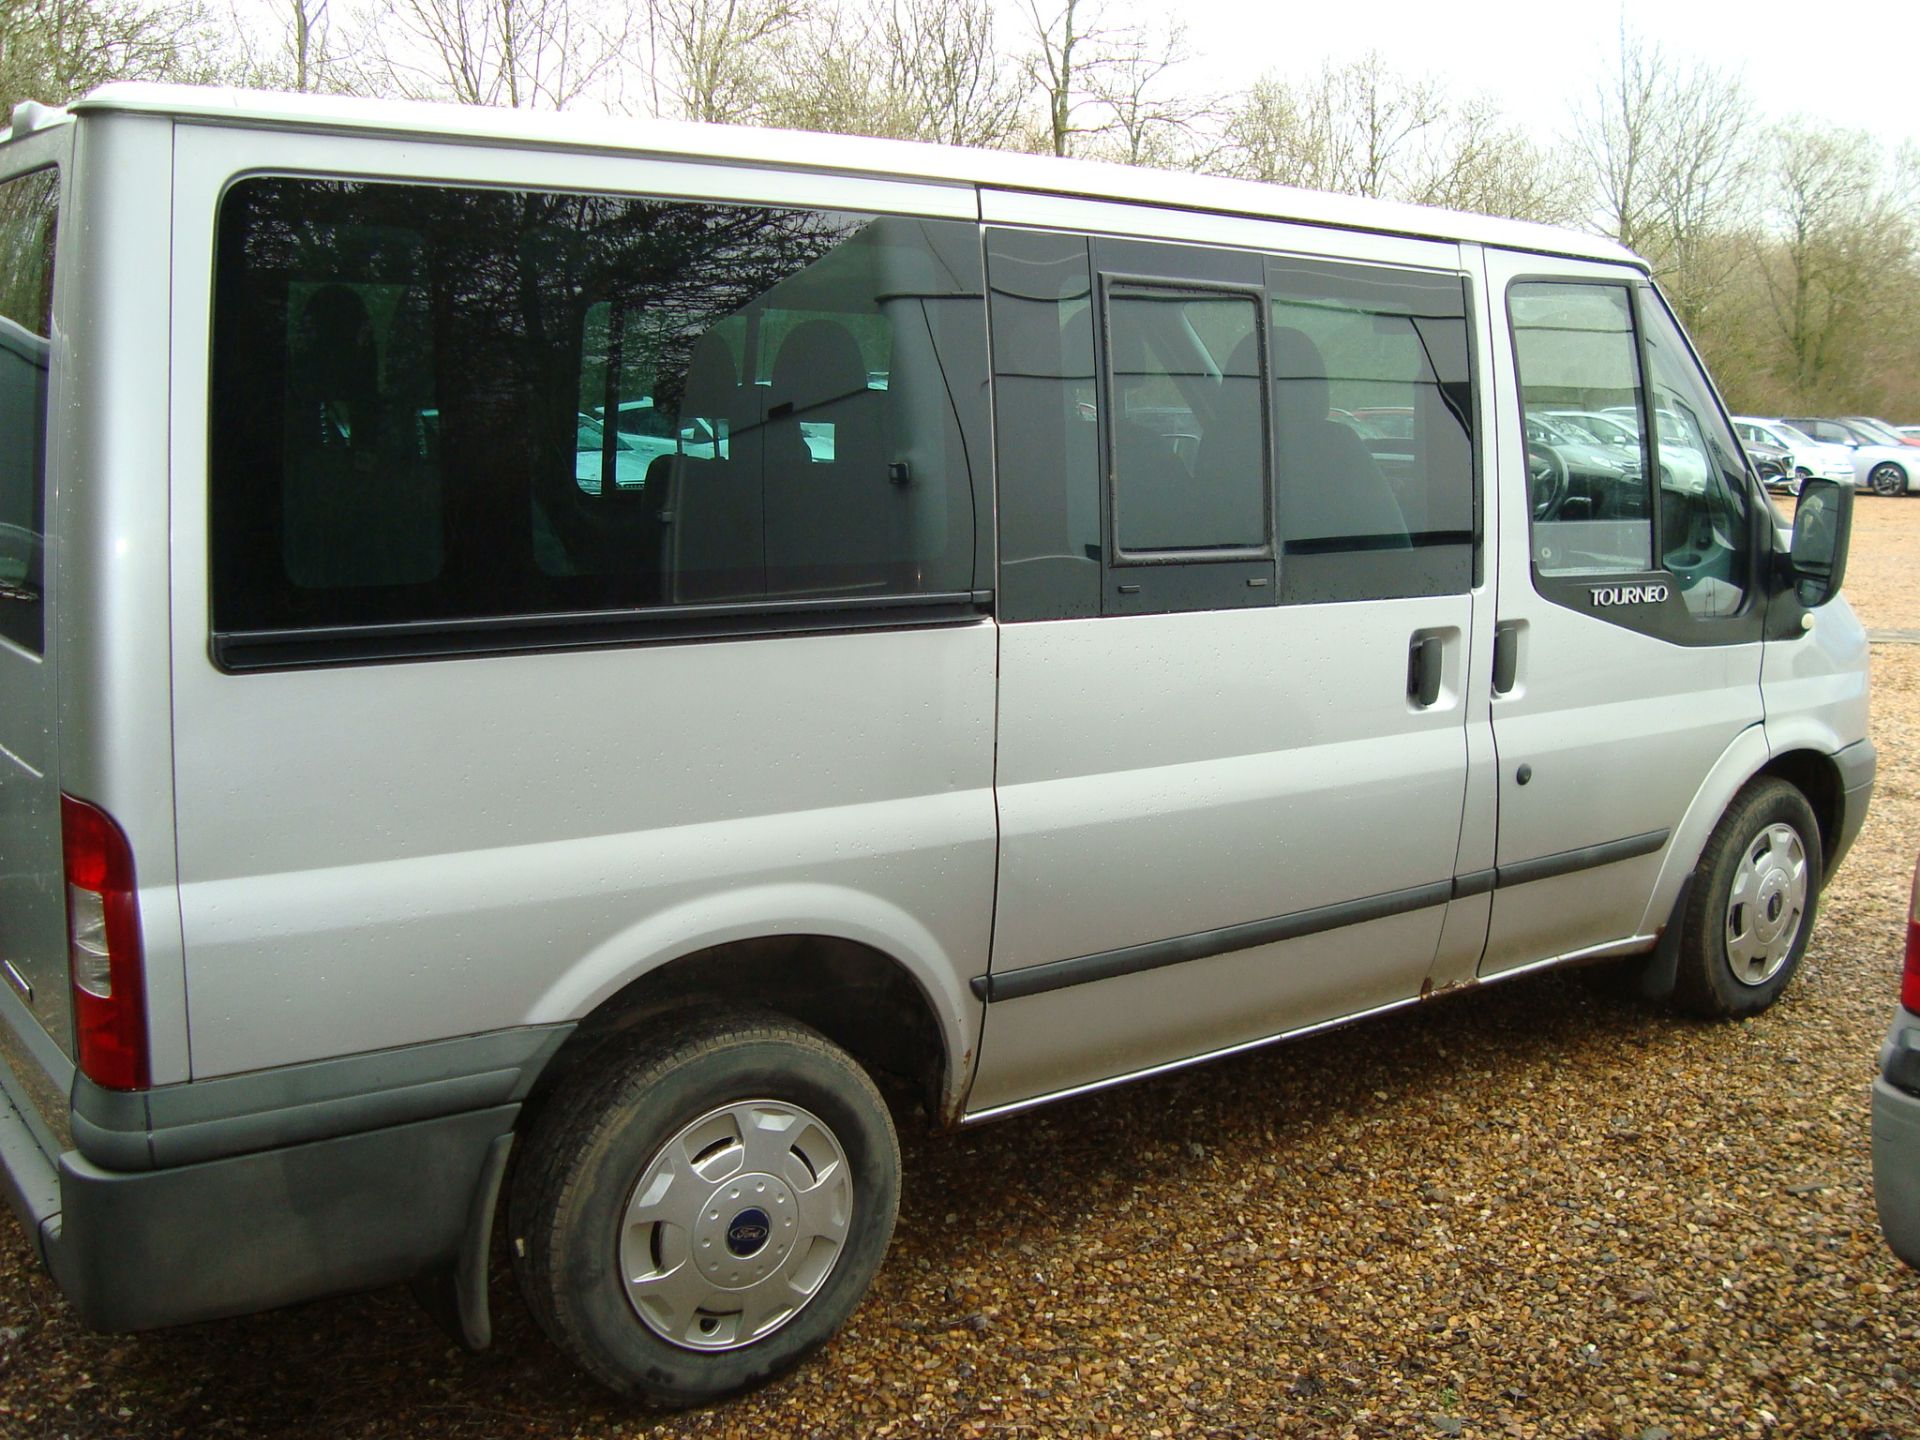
[(1236, 499), (1631, 621)]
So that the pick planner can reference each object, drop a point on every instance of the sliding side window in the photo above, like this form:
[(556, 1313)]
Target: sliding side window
[(1191, 499)]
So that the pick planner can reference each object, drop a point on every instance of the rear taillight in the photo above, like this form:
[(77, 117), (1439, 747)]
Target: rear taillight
[(103, 949), (1910, 978)]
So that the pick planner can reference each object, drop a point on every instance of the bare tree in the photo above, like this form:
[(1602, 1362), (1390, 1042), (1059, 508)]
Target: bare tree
[(54, 50), (1352, 128), (1669, 145), (520, 53), (1839, 266), (294, 45), (1475, 161), (1146, 120), (1367, 129), (943, 74), (1062, 33), (708, 56)]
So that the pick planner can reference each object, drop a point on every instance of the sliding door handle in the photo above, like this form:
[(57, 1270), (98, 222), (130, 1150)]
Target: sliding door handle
[(1424, 656)]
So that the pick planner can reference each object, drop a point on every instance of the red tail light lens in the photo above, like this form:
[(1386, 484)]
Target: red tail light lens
[(104, 958), (1910, 978)]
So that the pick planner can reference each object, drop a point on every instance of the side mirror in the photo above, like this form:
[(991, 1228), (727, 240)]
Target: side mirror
[(1822, 526)]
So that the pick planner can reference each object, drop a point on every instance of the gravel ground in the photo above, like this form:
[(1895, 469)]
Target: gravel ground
[(1527, 1212)]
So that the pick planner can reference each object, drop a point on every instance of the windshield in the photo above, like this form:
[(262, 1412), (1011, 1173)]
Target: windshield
[(1874, 429)]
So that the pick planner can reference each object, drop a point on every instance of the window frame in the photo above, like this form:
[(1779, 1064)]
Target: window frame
[(31, 638), (1118, 556), (1669, 619)]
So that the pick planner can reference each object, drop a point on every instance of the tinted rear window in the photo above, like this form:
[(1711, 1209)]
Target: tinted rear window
[(441, 405), (29, 212)]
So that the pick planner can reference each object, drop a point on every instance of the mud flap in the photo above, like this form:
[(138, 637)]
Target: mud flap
[(455, 1294)]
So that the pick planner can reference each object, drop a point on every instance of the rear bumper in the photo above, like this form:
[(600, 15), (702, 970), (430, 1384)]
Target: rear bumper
[(160, 1235), (137, 1250), (1896, 1168)]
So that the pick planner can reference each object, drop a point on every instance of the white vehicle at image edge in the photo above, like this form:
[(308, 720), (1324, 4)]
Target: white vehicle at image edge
[(1883, 468), (1811, 458), (980, 666), (1896, 1106)]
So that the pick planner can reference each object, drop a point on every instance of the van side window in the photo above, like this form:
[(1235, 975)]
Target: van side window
[(1705, 514), (1188, 435), (1373, 432), (1047, 438), (1574, 346), (29, 211), (433, 406)]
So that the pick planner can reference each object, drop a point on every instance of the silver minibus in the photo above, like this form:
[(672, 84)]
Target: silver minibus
[(588, 669)]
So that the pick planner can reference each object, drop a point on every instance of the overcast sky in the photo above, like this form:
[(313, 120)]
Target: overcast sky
[(1853, 63)]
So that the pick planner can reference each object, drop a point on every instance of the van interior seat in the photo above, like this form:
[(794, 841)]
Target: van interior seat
[(1330, 487), (833, 519)]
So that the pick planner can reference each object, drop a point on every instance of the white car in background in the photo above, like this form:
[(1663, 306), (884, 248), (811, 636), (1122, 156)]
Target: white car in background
[(1882, 468), (1812, 459)]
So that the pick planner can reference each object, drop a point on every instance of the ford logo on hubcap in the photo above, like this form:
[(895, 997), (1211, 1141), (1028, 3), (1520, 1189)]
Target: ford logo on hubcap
[(748, 1232)]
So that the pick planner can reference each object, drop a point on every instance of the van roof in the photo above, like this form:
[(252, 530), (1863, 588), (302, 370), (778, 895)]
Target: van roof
[(844, 154)]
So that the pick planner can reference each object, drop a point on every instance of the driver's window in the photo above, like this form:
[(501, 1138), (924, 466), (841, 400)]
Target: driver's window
[(1704, 510), (1578, 369)]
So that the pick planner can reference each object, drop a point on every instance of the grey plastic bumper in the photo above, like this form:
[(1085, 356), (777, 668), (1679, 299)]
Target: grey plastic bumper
[(1896, 1168), (133, 1251), (226, 1197)]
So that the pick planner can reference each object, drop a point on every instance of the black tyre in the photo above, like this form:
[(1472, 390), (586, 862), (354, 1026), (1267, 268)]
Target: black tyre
[(1887, 478), (1753, 902), (704, 1206)]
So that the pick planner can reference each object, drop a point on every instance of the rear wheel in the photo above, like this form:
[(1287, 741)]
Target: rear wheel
[(1752, 907), (705, 1207), (1887, 478)]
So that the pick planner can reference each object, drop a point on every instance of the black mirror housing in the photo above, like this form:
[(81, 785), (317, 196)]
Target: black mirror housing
[(1822, 528)]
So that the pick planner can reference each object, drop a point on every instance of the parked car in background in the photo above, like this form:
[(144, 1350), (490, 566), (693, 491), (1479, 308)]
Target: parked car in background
[(1810, 458), (1683, 453), (1882, 429), (590, 454), (1773, 464), (1896, 1107), (1601, 429), (1883, 468), (1909, 431)]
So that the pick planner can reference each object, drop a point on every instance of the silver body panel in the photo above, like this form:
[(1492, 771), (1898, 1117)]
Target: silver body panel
[(339, 860)]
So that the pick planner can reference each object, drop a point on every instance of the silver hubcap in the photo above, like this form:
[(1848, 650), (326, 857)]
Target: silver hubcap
[(735, 1225), (1768, 902), (1888, 480)]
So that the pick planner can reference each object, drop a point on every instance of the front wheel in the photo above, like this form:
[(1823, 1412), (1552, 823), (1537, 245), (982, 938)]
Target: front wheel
[(1887, 478), (1752, 906), (704, 1207)]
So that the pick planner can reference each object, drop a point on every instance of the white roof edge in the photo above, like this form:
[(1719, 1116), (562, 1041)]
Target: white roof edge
[(893, 159)]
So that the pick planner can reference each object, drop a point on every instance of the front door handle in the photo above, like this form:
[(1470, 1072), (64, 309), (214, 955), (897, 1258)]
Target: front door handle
[(1423, 669), (1506, 655)]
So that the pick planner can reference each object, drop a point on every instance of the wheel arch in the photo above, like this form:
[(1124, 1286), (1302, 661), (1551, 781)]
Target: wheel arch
[(1816, 776), (1747, 759), (857, 970)]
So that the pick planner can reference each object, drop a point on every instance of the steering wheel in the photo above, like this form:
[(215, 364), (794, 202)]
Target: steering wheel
[(1546, 479)]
